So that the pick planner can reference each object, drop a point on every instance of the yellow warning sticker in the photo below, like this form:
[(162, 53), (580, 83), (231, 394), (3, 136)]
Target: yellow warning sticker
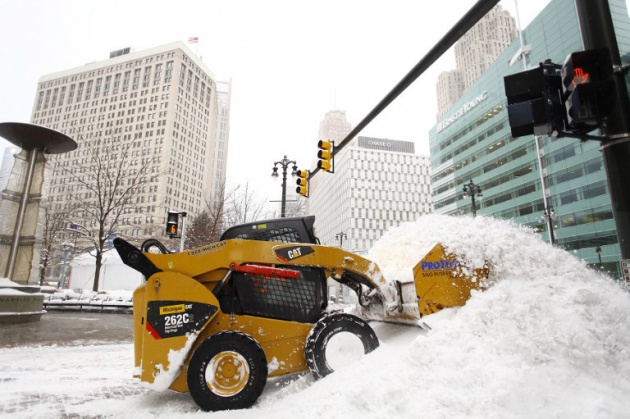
[(179, 308)]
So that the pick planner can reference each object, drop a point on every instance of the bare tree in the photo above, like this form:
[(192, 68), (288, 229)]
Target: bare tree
[(237, 206), (242, 206), (54, 226), (207, 226), (296, 208), (107, 183)]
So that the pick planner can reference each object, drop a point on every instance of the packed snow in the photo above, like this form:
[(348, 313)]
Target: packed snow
[(549, 338)]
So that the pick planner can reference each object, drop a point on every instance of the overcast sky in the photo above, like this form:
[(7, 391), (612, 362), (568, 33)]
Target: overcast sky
[(290, 62)]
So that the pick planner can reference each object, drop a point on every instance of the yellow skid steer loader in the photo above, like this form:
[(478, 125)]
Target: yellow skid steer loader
[(219, 319)]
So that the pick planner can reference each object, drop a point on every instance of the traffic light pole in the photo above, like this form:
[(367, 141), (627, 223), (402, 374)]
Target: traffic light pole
[(182, 238), (597, 31)]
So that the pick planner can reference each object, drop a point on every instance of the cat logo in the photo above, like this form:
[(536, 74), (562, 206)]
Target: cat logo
[(286, 254)]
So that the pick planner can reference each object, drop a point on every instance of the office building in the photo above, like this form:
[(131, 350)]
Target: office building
[(473, 142), (160, 110), (219, 162), (450, 87), (334, 126), (378, 183), (474, 54)]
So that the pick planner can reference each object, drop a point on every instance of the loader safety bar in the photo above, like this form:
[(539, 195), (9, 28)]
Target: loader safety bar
[(265, 270)]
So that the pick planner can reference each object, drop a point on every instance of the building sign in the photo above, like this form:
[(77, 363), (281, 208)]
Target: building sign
[(387, 145), (461, 111)]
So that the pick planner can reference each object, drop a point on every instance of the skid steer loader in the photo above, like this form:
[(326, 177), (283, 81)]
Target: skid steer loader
[(220, 319)]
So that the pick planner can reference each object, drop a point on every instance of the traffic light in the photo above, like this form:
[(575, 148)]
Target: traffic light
[(325, 155), (302, 182), (535, 105), (589, 89), (172, 224)]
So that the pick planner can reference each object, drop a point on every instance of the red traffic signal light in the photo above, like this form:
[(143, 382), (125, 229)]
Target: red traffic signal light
[(589, 88)]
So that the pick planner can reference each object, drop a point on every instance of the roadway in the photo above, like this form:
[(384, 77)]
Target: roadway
[(69, 328)]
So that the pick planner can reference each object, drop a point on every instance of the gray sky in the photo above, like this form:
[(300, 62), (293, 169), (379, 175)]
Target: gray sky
[(290, 62)]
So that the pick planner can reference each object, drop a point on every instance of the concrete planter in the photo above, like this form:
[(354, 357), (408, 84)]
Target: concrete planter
[(20, 303)]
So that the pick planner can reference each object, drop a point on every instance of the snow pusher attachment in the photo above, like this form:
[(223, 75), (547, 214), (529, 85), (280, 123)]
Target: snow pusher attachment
[(219, 319), (442, 281)]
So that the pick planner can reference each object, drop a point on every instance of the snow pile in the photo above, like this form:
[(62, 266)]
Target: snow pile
[(474, 240)]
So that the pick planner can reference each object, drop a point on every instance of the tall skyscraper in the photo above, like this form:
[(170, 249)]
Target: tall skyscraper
[(378, 183), (483, 43), (219, 162), (474, 53), (160, 110), (334, 126), (450, 88)]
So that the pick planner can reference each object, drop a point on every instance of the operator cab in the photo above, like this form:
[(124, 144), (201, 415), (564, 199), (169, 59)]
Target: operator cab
[(285, 230)]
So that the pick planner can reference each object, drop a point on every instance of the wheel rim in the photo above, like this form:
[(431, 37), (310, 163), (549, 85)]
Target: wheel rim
[(343, 349), (227, 373)]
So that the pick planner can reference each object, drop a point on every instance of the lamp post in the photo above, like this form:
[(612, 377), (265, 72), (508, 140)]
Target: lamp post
[(470, 189), (284, 163), (550, 216), (598, 249), (340, 236)]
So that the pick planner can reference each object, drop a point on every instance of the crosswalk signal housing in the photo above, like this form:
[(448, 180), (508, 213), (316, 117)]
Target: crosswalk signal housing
[(589, 88), (325, 155), (172, 224), (534, 100), (302, 182)]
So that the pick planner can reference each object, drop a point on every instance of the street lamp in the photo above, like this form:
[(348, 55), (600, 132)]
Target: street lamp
[(284, 163), (471, 190), (598, 249), (340, 236), (550, 216)]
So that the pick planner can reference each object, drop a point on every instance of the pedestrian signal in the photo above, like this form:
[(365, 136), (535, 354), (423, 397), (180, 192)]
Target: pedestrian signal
[(172, 224)]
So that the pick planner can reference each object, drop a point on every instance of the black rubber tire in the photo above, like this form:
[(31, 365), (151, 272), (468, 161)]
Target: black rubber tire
[(235, 352), (327, 327)]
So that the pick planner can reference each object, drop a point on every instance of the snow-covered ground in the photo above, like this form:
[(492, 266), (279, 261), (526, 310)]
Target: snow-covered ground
[(549, 339)]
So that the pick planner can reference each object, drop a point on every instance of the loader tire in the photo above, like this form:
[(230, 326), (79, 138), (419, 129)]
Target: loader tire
[(337, 340), (227, 371)]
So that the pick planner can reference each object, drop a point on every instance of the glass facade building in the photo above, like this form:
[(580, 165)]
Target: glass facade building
[(473, 142)]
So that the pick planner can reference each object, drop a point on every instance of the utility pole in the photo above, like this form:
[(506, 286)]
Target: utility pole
[(597, 31)]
